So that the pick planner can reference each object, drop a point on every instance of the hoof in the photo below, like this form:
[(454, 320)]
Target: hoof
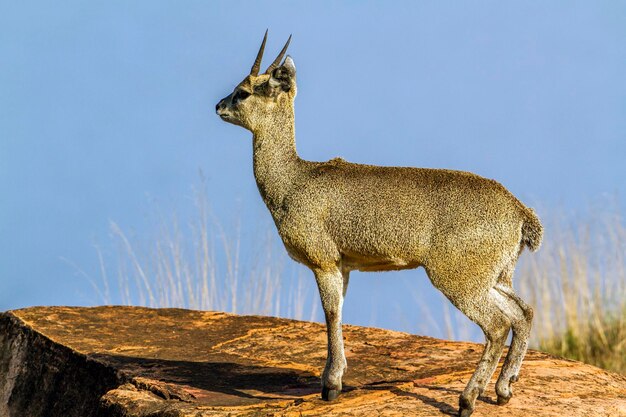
[(465, 412), (330, 394), (465, 407), (505, 393), (503, 400)]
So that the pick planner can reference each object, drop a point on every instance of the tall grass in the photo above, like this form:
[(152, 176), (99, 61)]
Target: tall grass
[(576, 284), (200, 266)]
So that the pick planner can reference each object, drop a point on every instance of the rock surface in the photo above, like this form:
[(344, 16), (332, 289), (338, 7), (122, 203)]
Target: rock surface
[(131, 361)]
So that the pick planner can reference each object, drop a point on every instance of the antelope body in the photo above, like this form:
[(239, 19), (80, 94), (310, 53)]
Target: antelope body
[(466, 231)]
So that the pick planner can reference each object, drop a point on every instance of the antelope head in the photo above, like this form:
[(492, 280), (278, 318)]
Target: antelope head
[(255, 101)]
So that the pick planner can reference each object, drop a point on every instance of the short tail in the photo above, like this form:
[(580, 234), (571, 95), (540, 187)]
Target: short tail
[(532, 230)]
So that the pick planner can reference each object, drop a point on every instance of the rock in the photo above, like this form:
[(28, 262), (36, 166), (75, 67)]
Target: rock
[(132, 362)]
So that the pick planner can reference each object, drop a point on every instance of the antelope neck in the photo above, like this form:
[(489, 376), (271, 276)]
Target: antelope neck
[(276, 162)]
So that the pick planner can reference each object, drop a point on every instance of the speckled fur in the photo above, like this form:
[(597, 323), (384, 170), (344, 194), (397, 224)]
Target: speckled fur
[(336, 216)]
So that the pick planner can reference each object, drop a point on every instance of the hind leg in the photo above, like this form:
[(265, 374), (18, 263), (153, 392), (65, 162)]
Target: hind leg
[(483, 310), (521, 315)]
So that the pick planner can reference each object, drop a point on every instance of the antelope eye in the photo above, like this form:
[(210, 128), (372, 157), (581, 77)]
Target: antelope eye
[(241, 95)]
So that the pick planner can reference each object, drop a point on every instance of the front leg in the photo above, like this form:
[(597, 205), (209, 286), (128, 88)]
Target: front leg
[(331, 286)]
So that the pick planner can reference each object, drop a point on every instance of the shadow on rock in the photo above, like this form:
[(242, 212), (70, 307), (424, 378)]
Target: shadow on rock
[(250, 383)]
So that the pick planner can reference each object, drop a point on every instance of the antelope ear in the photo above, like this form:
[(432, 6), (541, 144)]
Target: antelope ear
[(290, 65), (284, 77)]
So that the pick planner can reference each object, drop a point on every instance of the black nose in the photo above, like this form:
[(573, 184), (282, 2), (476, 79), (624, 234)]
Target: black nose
[(219, 105)]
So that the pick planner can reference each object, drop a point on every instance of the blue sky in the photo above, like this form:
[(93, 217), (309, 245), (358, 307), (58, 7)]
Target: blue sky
[(107, 109)]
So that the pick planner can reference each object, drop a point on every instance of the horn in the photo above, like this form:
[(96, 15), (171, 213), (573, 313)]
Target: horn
[(257, 62), (276, 62)]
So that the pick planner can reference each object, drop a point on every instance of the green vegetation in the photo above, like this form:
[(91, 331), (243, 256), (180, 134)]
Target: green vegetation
[(605, 349)]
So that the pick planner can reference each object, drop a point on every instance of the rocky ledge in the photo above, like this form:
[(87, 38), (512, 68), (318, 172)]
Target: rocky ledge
[(130, 361)]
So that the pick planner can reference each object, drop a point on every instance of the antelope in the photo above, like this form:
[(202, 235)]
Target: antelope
[(466, 231)]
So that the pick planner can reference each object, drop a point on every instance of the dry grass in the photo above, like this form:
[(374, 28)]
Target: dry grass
[(201, 267), (576, 284)]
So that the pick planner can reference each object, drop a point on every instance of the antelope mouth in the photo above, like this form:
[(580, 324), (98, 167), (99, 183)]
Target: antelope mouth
[(229, 118), (223, 115)]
